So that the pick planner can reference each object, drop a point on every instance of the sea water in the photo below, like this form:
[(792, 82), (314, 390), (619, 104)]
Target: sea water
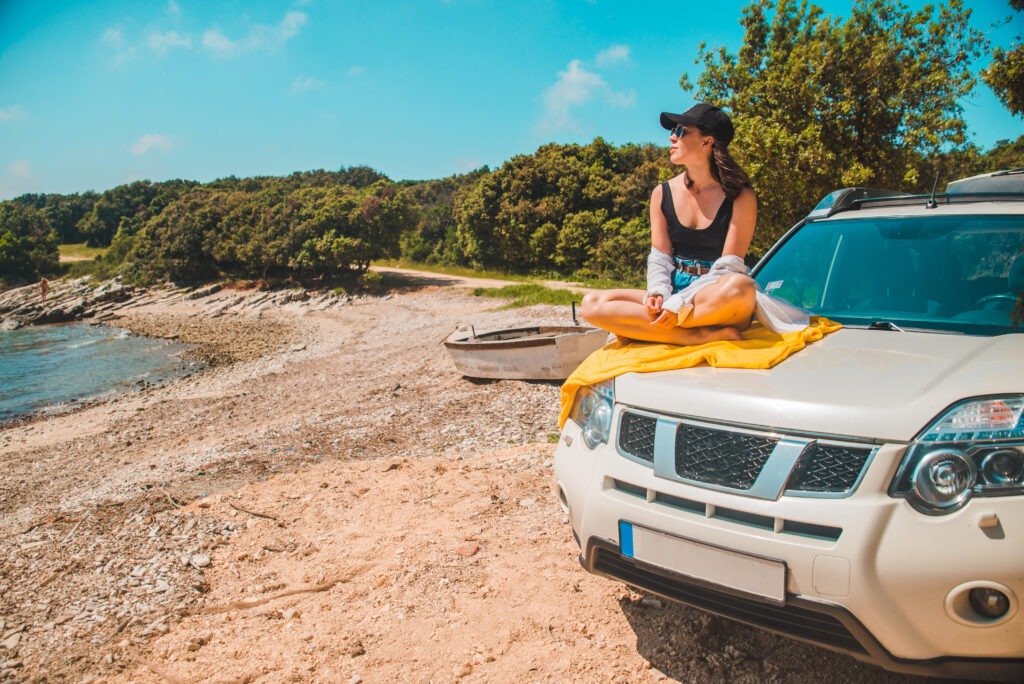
[(55, 367)]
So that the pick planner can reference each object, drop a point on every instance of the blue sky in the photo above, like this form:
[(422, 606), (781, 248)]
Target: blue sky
[(95, 93)]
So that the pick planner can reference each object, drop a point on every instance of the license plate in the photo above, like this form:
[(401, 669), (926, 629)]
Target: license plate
[(737, 571)]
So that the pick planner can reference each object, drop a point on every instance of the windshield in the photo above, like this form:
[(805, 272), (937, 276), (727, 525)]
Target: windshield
[(952, 273)]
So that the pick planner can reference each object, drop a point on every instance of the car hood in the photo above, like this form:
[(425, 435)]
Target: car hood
[(875, 384)]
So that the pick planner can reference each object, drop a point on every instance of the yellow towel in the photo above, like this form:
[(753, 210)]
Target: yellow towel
[(759, 348)]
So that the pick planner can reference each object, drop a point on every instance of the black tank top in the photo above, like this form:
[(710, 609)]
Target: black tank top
[(705, 244)]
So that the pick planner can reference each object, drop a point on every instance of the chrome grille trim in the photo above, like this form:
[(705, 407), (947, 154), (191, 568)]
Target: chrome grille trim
[(759, 463)]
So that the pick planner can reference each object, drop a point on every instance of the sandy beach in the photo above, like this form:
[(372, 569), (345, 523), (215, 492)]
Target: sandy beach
[(329, 502)]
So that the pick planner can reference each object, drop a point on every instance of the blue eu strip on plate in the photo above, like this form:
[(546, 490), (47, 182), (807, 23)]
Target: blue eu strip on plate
[(626, 538)]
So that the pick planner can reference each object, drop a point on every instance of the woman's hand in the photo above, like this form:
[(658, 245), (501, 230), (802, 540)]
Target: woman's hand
[(666, 319), (653, 305)]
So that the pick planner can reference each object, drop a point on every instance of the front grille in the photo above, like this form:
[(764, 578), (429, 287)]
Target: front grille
[(790, 620), (736, 459), (719, 457), (826, 468), (636, 436)]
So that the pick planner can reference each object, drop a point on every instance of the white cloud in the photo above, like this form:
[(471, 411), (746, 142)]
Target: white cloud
[(160, 43), (219, 44), (11, 113), (21, 170), (152, 141), (113, 36), (467, 164), (616, 53), (357, 71), (574, 87), (173, 9), (17, 178), (578, 85), (290, 25), (123, 52), (304, 84), (261, 37)]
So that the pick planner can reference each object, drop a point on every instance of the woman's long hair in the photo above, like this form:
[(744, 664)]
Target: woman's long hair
[(725, 170)]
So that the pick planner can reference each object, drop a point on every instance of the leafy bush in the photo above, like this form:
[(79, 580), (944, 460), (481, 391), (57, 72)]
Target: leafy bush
[(28, 245)]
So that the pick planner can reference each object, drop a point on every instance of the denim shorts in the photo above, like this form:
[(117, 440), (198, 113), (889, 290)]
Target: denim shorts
[(681, 277)]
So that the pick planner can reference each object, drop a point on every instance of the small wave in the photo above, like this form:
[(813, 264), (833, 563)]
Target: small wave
[(79, 345)]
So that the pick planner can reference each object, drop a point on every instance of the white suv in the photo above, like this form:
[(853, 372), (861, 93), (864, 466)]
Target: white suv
[(865, 495)]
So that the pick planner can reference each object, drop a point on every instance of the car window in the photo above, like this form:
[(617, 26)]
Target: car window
[(955, 273)]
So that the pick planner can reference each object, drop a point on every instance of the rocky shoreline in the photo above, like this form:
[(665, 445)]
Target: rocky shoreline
[(66, 300), (77, 299), (224, 325)]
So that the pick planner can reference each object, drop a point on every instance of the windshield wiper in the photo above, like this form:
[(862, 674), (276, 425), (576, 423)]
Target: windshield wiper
[(885, 325)]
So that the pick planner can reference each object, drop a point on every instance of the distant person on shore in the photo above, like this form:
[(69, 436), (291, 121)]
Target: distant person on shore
[(706, 212), (44, 288)]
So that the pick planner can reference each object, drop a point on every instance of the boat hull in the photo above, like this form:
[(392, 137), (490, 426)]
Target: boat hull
[(533, 353)]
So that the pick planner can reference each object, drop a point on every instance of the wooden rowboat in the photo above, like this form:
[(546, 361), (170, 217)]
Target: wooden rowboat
[(533, 353)]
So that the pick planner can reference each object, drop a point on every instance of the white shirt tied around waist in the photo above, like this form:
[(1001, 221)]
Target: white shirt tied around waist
[(775, 314)]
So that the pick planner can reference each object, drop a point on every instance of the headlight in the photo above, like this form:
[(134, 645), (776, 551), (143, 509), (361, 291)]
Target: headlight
[(592, 411), (943, 479), (976, 448)]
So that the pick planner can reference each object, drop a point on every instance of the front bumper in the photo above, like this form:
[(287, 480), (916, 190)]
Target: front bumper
[(865, 574), (825, 625)]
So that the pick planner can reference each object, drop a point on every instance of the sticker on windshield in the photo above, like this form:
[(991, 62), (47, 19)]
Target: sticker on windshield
[(772, 286)]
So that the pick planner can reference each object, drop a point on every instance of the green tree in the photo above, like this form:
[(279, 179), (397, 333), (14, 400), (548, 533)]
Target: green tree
[(325, 237), (538, 211), (28, 245), (1005, 75), (65, 212), (821, 102), (102, 223), (384, 213), (253, 237), (476, 217), (177, 244), (578, 239), (1005, 154), (621, 252)]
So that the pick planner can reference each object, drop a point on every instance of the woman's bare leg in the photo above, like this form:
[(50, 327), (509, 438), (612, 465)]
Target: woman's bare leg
[(622, 312), (728, 301)]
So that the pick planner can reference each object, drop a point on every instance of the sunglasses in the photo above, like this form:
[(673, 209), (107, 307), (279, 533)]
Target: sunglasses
[(679, 131)]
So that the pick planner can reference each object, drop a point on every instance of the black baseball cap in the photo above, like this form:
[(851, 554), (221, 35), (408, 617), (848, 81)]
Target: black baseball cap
[(704, 115)]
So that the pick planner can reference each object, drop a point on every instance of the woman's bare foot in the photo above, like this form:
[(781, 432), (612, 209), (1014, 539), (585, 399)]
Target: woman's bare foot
[(710, 334), (728, 332)]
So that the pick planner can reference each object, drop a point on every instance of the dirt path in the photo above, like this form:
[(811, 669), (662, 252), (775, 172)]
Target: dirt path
[(426, 278), (342, 508)]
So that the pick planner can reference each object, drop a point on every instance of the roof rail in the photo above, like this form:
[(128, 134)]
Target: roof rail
[(844, 199), (948, 198), (1005, 186)]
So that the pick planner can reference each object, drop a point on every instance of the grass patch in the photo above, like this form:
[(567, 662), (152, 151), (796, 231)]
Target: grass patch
[(528, 294), (81, 251), (610, 284), (99, 270)]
